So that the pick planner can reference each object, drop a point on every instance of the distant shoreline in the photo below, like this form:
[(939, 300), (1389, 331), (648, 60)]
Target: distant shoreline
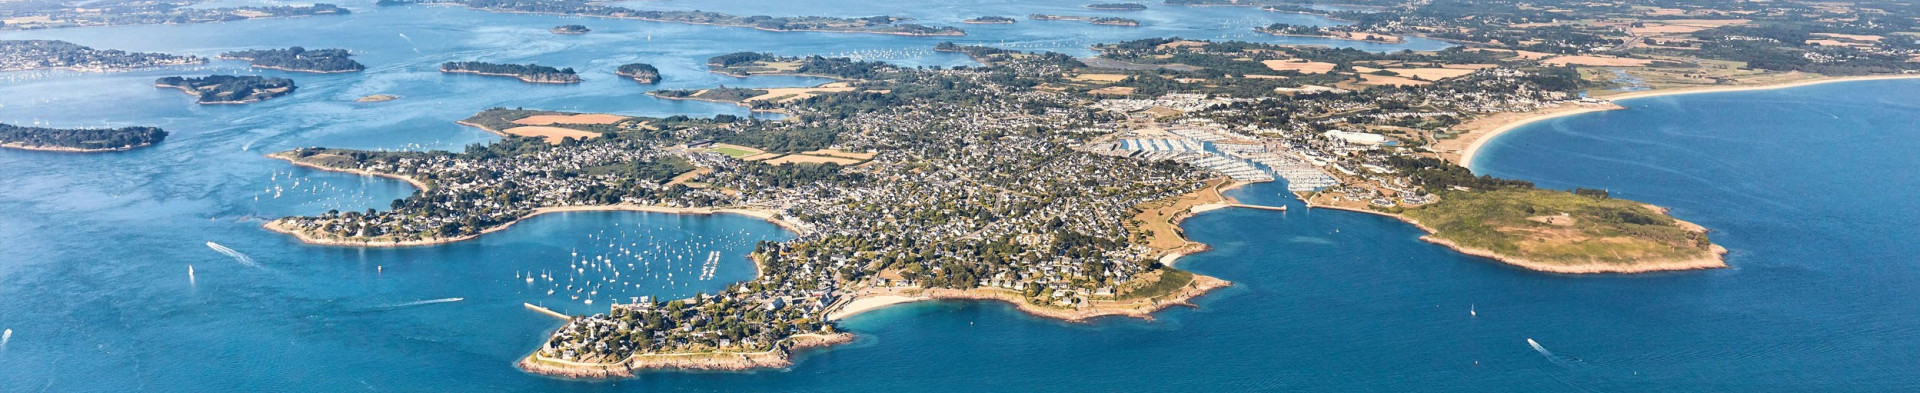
[(769, 216), (64, 149), (1472, 150), (898, 33), (522, 78)]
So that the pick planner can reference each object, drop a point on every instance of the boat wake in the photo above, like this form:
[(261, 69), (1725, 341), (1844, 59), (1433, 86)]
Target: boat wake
[(425, 302), (1564, 363), (236, 255), (1542, 350), (5, 337)]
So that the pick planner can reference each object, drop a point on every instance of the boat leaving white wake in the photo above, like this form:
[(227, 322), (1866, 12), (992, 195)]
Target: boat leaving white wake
[(236, 255), (1540, 349), (427, 302), (5, 337)]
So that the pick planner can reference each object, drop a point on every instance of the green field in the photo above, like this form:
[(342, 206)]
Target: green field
[(1557, 226), (734, 152)]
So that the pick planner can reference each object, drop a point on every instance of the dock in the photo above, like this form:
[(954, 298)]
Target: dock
[(544, 310), (1261, 207)]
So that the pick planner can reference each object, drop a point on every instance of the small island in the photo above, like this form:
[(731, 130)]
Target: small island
[(298, 59), (1117, 6), (229, 89), (640, 72), (991, 20), (79, 140), (570, 29), (21, 55), (530, 73), (1098, 20), (378, 98)]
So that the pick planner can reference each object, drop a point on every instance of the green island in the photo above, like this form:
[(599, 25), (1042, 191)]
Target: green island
[(639, 72), (874, 25), (298, 59), (1117, 6), (1057, 184), (79, 140), (991, 20), (1098, 20), (530, 73), (229, 89), (21, 55), (570, 29), (22, 15)]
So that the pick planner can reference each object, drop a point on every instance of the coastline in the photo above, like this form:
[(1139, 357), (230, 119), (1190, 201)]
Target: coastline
[(63, 149), (637, 78), (878, 298), (299, 70), (1481, 139), (853, 31), (196, 94), (691, 361), (1715, 259), (277, 226), (1394, 39), (249, 61), (522, 78), (769, 216), (423, 186), (869, 299)]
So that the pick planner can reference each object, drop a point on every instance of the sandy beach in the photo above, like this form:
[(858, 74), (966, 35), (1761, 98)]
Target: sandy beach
[(1503, 123), (869, 303)]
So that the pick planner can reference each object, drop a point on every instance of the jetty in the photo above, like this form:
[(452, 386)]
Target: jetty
[(1261, 207), (544, 310)]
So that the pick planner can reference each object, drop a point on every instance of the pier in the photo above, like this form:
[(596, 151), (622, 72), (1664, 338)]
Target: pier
[(1261, 207), (544, 310)]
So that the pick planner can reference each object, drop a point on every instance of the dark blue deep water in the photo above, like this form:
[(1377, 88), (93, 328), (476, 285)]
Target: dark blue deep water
[(1811, 188)]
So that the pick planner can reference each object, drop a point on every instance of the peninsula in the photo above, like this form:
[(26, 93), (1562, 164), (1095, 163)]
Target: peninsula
[(530, 73), (229, 89), (79, 140), (1056, 184), (298, 59), (21, 55)]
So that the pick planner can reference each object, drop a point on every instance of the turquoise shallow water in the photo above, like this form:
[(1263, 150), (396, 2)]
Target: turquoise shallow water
[(1810, 187)]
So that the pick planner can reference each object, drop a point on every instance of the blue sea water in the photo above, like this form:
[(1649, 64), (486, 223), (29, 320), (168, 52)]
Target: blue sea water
[(1809, 187)]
